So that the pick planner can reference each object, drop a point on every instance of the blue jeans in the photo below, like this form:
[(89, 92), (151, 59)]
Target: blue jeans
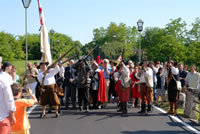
[(154, 90)]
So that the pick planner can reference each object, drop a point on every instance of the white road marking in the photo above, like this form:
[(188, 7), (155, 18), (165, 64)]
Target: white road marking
[(31, 109), (178, 120)]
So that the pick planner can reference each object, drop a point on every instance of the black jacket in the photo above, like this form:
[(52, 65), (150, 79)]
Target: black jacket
[(70, 73)]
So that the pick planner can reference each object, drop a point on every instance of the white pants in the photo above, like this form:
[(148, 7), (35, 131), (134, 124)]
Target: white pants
[(32, 86)]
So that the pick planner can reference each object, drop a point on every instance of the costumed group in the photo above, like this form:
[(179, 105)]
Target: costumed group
[(98, 83)]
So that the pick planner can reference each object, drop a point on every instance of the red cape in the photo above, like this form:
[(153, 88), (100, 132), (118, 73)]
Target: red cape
[(98, 60), (102, 88)]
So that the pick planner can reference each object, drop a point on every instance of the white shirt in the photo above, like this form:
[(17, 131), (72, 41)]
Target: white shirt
[(62, 71), (192, 79), (142, 79), (116, 76), (155, 71), (8, 77), (164, 72), (125, 73), (6, 97), (174, 70), (49, 78), (149, 77), (124, 77)]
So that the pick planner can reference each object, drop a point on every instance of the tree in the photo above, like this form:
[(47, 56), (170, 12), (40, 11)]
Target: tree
[(10, 49)]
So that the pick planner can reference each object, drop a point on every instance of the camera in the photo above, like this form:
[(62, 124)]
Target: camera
[(24, 90)]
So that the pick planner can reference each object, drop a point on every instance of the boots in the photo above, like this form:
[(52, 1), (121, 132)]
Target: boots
[(120, 107), (149, 109), (143, 109), (124, 107)]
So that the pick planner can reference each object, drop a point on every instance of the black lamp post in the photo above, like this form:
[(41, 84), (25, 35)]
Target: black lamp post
[(26, 4), (140, 28), (52, 33), (58, 43)]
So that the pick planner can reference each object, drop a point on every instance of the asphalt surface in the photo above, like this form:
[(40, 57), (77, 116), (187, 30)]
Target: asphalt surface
[(105, 121)]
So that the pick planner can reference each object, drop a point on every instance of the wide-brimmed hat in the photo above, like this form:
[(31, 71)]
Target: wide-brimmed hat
[(44, 62), (95, 63)]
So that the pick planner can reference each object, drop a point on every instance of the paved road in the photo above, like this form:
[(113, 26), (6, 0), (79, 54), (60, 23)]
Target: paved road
[(105, 121)]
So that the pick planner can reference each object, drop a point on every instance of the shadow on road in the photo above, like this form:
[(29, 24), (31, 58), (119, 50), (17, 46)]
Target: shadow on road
[(155, 132)]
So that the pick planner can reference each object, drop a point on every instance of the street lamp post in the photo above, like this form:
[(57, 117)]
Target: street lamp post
[(52, 33), (26, 4), (58, 43), (140, 28)]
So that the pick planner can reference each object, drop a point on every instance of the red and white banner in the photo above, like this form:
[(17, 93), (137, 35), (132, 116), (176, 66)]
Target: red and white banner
[(44, 38), (119, 58)]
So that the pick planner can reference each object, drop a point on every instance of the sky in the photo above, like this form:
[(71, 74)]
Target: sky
[(78, 18)]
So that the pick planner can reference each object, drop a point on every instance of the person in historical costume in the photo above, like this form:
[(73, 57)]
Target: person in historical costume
[(123, 87), (98, 86), (107, 72), (60, 80), (112, 95), (173, 93), (83, 82), (47, 82), (146, 85), (135, 87)]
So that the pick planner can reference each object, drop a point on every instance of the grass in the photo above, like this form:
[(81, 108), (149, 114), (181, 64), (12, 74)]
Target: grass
[(20, 65), (180, 110), (165, 106)]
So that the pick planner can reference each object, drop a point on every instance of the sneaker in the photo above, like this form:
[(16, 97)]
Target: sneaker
[(42, 116), (132, 106)]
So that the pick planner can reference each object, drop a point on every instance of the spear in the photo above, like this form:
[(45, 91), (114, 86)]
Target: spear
[(61, 57), (67, 60), (123, 54), (90, 53)]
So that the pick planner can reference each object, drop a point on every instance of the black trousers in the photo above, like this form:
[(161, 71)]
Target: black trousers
[(94, 94), (70, 93), (83, 96), (112, 90)]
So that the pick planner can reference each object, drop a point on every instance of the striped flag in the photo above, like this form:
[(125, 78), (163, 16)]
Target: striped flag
[(44, 38), (119, 58)]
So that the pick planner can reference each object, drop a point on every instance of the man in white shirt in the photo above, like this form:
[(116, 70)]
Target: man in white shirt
[(47, 81), (146, 84), (155, 71), (7, 109), (30, 77), (192, 81)]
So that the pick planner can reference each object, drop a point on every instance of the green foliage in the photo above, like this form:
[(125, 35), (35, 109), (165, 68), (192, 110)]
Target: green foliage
[(112, 40), (14, 48), (10, 48), (175, 41)]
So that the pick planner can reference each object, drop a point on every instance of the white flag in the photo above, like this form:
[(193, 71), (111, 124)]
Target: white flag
[(44, 38)]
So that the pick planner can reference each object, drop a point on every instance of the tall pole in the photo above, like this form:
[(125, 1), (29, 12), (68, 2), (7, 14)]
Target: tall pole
[(52, 45), (26, 38), (140, 49)]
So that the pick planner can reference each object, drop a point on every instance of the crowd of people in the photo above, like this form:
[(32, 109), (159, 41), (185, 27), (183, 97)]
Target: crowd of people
[(91, 85)]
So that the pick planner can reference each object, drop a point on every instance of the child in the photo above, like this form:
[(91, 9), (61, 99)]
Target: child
[(22, 125)]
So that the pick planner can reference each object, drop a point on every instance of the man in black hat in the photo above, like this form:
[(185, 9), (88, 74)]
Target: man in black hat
[(47, 81), (83, 69)]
